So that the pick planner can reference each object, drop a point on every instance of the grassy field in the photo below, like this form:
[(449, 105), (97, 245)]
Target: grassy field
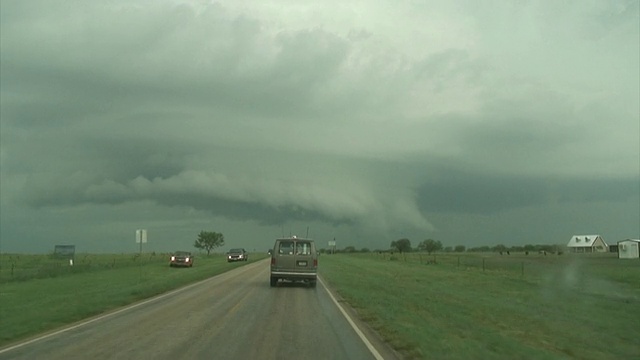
[(468, 306), (475, 306)]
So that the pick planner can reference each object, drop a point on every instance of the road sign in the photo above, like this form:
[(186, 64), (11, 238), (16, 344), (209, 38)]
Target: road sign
[(141, 236)]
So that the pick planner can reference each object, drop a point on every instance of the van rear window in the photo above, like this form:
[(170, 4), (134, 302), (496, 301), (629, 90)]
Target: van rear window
[(286, 248), (294, 247), (303, 248)]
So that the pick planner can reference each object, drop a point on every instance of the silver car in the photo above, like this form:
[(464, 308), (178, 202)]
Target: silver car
[(237, 255)]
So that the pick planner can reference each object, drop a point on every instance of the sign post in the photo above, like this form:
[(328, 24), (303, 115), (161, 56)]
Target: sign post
[(332, 245), (141, 237)]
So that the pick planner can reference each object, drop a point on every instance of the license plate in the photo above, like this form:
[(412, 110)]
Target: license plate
[(302, 263)]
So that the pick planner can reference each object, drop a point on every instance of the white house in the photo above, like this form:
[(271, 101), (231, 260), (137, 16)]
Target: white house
[(587, 244), (629, 249)]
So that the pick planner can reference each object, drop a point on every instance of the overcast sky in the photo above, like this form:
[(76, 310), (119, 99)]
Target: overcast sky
[(469, 122)]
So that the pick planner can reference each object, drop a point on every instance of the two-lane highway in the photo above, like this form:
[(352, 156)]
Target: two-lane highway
[(231, 316)]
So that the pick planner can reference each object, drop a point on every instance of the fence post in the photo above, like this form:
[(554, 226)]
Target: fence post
[(458, 260), (522, 269), (482, 264)]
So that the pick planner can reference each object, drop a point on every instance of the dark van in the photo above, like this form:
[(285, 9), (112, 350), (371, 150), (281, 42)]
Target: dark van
[(294, 259)]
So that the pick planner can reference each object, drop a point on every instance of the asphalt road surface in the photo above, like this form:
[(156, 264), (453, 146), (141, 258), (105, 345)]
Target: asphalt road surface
[(236, 315)]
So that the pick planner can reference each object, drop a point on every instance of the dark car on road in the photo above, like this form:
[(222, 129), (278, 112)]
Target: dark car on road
[(294, 259), (237, 255), (181, 258)]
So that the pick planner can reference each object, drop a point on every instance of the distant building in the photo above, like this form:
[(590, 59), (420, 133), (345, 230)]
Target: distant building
[(629, 249), (587, 244)]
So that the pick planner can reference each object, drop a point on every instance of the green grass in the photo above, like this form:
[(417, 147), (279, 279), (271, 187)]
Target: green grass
[(38, 293), (467, 306), (566, 307)]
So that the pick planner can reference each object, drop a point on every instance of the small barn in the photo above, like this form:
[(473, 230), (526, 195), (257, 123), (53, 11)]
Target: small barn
[(587, 244), (629, 249)]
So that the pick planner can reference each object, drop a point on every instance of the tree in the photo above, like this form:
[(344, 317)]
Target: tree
[(480, 249), (499, 248), (460, 248), (430, 246), (209, 240), (402, 245), (350, 249)]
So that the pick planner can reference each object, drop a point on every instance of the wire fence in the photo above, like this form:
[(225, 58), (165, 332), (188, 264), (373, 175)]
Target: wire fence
[(522, 264), (16, 267)]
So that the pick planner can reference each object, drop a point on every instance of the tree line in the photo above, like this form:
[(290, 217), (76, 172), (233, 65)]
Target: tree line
[(430, 245), (209, 240)]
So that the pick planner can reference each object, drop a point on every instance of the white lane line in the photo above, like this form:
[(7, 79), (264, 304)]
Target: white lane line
[(364, 339)]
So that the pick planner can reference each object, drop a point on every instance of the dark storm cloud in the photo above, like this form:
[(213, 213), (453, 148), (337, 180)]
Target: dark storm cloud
[(465, 192), (244, 115), (114, 66)]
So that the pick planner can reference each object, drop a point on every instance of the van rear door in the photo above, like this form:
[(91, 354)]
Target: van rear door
[(284, 255), (304, 256)]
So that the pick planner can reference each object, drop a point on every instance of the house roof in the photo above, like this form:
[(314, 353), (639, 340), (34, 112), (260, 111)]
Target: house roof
[(625, 240), (584, 240)]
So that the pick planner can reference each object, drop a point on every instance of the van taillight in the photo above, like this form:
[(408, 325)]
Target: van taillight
[(273, 260), (315, 262)]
